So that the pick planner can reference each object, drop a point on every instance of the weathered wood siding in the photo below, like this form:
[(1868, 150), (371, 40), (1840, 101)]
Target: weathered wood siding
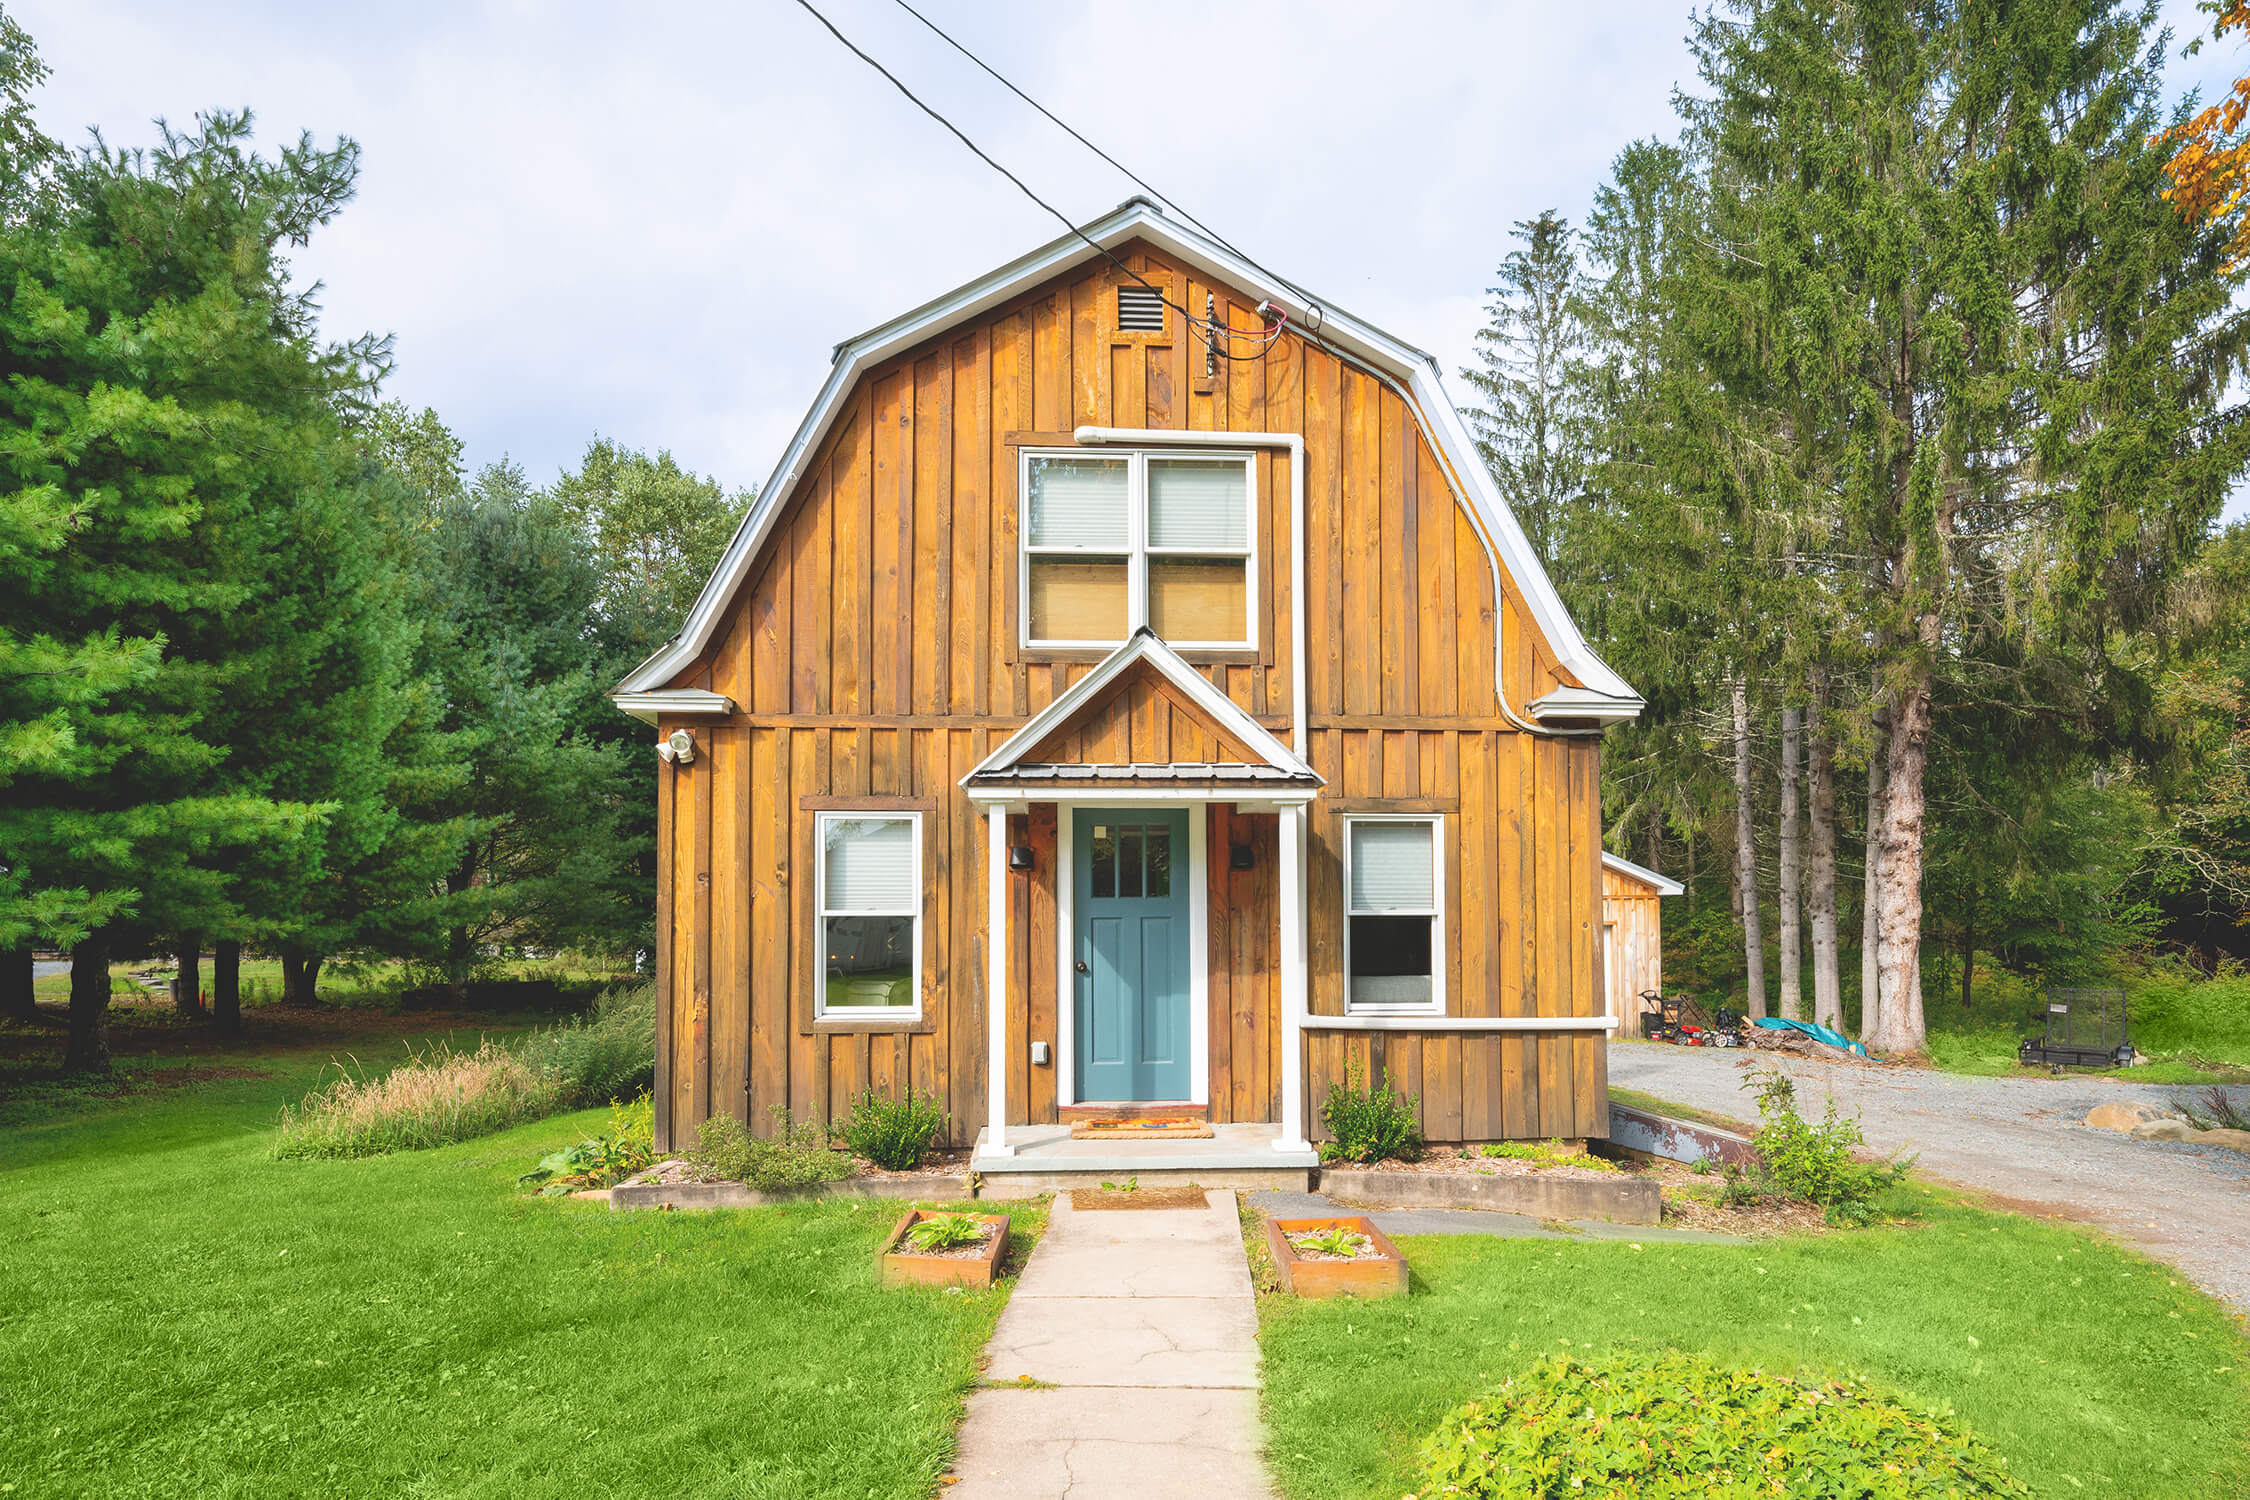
[(1633, 929), (873, 655)]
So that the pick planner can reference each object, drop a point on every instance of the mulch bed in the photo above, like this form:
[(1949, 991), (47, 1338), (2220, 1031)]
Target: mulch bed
[(1088, 1199), (1363, 1248), (972, 1251), (1463, 1161), (938, 1165), (1689, 1204)]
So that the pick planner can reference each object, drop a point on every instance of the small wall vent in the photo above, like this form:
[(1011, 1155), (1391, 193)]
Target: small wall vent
[(1140, 309)]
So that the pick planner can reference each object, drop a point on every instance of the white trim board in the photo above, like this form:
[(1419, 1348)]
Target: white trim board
[(1139, 218), (1662, 885), (1459, 1023)]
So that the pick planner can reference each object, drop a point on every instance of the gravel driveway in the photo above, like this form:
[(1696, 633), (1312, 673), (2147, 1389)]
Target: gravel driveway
[(2016, 1137)]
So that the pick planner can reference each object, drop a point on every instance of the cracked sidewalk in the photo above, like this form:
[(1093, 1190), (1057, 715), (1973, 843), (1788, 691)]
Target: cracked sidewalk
[(1141, 1328)]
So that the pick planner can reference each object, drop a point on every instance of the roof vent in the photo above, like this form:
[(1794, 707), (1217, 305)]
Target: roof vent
[(1140, 309)]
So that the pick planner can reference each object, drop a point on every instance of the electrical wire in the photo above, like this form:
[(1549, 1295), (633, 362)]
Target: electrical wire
[(1025, 188), (1139, 181)]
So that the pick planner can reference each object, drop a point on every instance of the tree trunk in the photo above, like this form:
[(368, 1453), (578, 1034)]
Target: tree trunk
[(187, 984), (1968, 944), (458, 954), (226, 988), (87, 1051), (1746, 859), (1899, 1027), (1791, 892), (18, 1002), (1870, 921), (300, 977), (1820, 898)]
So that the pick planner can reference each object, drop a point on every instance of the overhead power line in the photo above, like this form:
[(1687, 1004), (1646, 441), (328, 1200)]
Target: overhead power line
[(1023, 187)]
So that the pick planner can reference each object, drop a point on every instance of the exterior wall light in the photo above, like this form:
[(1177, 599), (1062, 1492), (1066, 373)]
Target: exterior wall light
[(1020, 857), (1239, 857), (678, 748)]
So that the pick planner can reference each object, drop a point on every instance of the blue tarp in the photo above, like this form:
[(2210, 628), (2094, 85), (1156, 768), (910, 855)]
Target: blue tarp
[(1817, 1033)]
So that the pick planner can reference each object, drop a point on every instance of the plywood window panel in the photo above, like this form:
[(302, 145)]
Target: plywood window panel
[(1113, 543)]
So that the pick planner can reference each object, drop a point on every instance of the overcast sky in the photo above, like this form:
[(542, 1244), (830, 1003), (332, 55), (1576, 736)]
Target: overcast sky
[(654, 223)]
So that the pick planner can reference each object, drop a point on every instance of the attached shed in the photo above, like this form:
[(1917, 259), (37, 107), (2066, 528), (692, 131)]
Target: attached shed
[(1632, 939)]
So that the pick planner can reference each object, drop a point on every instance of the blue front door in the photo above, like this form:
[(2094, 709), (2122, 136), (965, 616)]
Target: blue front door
[(1131, 946)]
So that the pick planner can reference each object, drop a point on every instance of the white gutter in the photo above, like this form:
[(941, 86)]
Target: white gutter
[(1152, 437)]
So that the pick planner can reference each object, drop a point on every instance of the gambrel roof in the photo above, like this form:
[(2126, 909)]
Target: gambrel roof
[(1601, 695)]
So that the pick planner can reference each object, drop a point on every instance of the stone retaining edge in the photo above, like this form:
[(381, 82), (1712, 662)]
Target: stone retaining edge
[(945, 1189), (1625, 1201)]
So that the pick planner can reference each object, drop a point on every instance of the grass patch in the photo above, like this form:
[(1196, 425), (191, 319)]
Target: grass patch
[(2091, 1370), (187, 1316)]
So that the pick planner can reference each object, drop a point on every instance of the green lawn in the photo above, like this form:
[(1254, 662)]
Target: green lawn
[(181, 1315), (2093, 1371)]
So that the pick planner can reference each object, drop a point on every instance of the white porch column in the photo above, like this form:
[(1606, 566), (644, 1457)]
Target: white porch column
[(996, 983), (1294, 987)]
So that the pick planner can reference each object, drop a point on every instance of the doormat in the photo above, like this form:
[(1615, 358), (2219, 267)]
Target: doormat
[(1084, 1199), (1140, 1130)]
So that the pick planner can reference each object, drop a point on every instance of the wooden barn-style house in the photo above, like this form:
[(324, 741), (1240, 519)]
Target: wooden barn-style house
[(1131, 693)]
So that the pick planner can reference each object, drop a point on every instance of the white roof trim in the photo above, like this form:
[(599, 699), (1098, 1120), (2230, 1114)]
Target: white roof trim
[(677, 701), (1144, 646), (1139, 218), (1641, 873), (1584, 703)]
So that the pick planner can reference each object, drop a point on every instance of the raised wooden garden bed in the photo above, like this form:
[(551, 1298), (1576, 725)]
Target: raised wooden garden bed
[(1381, 1273), (902, 1265)]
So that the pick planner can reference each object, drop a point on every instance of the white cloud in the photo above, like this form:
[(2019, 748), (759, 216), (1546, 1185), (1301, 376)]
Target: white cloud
[(656, 222)]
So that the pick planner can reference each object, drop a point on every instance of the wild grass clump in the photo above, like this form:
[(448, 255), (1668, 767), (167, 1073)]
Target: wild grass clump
[(608, 1055), (434, 1099), (892, 1133), (439, 1097)]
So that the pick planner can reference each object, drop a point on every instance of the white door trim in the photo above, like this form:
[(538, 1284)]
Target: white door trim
[(1199, 953)]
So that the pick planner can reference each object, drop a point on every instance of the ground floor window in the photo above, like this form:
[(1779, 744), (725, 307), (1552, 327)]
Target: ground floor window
[(870, 884), (1393, 904)]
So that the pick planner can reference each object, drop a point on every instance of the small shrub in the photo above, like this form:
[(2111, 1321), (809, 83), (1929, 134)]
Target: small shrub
[(2217, 1112), (1370, 1124), (434, 1099), (1669, 1425), (1812, 1163), (795, 1155), (945, 1232), (893, 1133)]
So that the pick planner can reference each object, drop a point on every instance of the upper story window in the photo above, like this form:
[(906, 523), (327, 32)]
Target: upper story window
[(1119, 540)]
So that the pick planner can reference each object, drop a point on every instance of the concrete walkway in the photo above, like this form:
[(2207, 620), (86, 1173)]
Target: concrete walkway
[(1143, 1331)]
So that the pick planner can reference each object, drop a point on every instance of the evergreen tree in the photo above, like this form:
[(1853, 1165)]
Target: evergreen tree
[(1941, 285), (1528, 427)]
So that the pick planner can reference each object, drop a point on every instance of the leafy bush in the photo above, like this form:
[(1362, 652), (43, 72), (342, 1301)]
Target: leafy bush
[(606, 1055), (1370, 1124), (893, 1133), (433, 1099), (1669, 1425), (1813, 1163), (603, 1160), (795, 1155)]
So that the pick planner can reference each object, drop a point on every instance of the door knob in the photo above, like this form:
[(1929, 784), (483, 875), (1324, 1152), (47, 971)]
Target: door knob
[(1082, 967)]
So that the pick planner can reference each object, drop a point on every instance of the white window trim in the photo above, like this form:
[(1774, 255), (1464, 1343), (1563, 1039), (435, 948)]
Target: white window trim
[(1136, 549), (821, 914), (1436, 1004)]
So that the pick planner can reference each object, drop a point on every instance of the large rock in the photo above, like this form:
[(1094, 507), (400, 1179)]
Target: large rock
[(2124, 1115), (2233, 1140), (2166, 1130)]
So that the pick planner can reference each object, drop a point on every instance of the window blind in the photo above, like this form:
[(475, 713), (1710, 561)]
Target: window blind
[(1392, 868), (1077, 502), (1198, 506), (870, 865)]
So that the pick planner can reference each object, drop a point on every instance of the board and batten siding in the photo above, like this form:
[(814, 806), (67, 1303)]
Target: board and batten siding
[(1633, 923), (872, 657)]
